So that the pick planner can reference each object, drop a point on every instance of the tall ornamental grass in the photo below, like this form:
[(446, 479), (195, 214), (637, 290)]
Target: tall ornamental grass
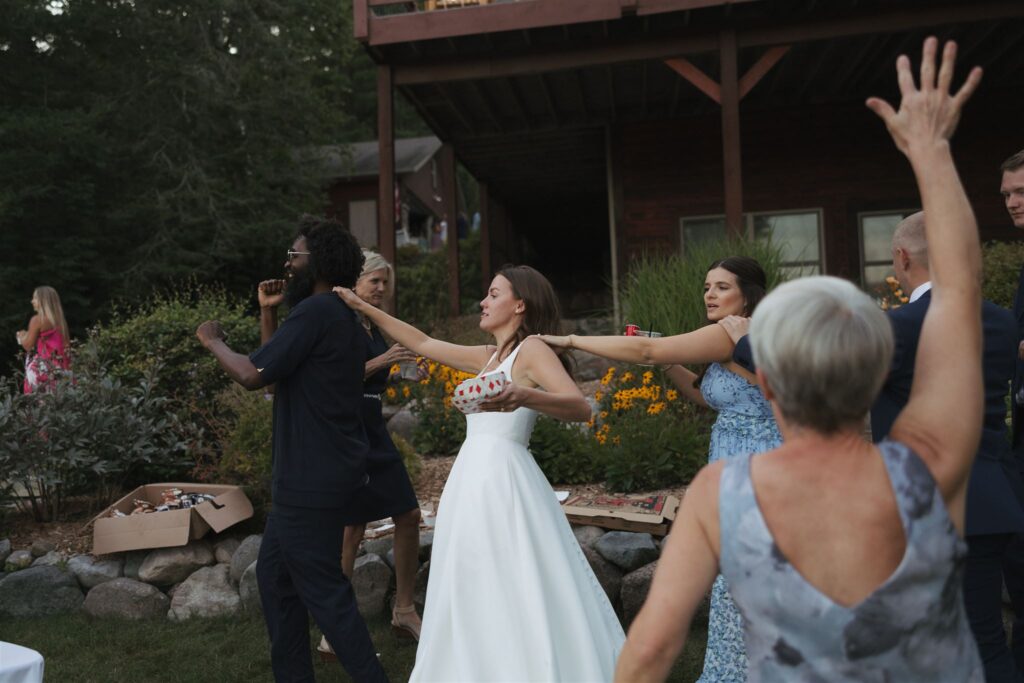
[(665, 293)]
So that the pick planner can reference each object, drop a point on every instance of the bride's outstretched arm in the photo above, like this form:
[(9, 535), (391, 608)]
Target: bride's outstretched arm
[(686, 570), (553, 393), (465, 358), (707, 345)]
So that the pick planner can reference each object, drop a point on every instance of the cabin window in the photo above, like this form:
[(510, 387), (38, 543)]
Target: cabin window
[(876, 229)]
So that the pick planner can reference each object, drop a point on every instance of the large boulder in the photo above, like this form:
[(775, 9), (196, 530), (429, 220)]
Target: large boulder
[(123, 598), (5, 551), (133, 560), (635, 586), (40, 592), (41, 547), (626, 550), (225, 549), (249, 591), (587, 535), (167, 566), (19, 559), (91, 571), (50, 559), (426, 545), (404, 422), (379, 546), (608, 575), (206, 593), (371, 580), (248, 551)]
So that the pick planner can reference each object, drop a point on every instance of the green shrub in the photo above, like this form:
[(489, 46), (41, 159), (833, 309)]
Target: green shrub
[(161, 331), (422, 282), (245, 439), (566, 454), (91, 433), (1001, 264), (665, 293)]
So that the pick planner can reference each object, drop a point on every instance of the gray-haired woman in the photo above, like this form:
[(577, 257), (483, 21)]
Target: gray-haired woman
[(844, 558)]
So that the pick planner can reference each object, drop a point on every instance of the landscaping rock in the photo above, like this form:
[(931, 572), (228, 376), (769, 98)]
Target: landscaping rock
[(379, 546), (168, 566), (389, 410), (626, 550), (587, 535), (225, 549), (390, 558), (91, 571), (249, 591), (19, 559), (40, 592), (404, 422), (246, 554), (206, 593), (419, 596), (635, 586), (50, 559), (124, 598), (608, 575), (426, 545), (133, 559), (371, 580), (40, 547), (5, 551)]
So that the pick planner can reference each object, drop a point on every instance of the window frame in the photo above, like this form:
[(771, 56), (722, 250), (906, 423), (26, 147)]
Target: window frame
[(864, 263)]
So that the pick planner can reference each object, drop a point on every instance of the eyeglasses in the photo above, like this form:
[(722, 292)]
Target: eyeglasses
[(292, 254)]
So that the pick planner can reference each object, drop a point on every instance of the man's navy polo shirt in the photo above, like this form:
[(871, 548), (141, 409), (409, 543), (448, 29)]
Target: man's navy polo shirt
[(316, 360)]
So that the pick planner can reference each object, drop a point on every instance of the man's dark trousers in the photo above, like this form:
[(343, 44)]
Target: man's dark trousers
[(299, 569)]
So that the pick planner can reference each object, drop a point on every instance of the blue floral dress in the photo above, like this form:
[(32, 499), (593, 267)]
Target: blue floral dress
[(745, 425)]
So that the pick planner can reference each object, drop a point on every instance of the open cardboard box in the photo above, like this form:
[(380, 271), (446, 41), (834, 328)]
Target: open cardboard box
[(172, 527), (650, 514)]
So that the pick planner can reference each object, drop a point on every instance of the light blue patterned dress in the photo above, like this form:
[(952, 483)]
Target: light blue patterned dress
[(911, 629), (745, 425)]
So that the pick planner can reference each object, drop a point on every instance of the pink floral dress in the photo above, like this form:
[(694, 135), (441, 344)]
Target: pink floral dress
[(49, 355)]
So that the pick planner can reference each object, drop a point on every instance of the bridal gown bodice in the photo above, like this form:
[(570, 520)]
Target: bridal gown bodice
[(510, 595)]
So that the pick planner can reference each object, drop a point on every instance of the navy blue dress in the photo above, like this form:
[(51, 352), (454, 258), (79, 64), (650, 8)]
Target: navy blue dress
[(389, 491)]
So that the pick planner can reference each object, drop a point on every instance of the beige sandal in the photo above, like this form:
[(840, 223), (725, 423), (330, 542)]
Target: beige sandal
[(324, 648), (405, 630)]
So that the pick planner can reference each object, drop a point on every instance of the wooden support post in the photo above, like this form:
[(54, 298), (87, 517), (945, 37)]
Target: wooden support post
[(731, 161), (386, 177), (450, 202), (613, 237), (485, 237)]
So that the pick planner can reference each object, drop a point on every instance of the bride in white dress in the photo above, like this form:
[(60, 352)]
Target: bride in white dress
[(511, 596)]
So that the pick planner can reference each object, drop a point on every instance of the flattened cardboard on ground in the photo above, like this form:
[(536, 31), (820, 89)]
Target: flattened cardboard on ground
[(170, 528), (649, 514)]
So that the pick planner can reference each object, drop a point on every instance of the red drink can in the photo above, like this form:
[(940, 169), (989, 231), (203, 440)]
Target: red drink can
[(632, 330)]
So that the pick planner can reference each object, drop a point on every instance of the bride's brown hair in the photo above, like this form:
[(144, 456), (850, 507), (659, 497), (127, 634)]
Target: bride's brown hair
[(541, 313)]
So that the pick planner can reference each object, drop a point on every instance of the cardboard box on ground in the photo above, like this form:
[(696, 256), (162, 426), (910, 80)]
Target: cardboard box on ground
[(172, 527), (645, 514)]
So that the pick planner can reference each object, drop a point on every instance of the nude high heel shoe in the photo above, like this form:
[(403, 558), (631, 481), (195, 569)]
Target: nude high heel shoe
[(405, 628)]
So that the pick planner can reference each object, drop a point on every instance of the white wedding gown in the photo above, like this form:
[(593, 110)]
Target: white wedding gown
[(511, 596)]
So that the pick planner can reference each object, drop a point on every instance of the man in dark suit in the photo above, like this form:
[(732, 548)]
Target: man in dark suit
[(1012, 189), (995, 495), (315, 361)]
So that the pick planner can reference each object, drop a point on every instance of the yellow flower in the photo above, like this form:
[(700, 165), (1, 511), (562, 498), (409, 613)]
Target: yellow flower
[(605, 429), (655, 408), (648, 377), (598, 395), (391, 392), (601, 438), (627, 377), (406, 392), (604, 414), (616, 440), (394, 369), (671, 394)]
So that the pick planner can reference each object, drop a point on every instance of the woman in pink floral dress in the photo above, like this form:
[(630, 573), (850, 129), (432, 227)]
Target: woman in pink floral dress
[(45, 340)]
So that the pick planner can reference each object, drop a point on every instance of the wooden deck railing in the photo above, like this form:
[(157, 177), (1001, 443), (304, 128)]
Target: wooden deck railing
[(382, 22)]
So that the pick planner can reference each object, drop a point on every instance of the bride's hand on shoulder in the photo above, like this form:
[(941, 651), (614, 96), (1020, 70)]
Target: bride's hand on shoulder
[(510, 398), (736, 326), (350, 298), (554, 340)]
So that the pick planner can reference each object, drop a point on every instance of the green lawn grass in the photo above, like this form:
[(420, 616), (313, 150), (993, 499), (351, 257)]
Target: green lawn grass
[(79, 649)]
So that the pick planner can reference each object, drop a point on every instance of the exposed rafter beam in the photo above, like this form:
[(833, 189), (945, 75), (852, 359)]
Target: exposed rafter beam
[(698, 78), (761, 67)]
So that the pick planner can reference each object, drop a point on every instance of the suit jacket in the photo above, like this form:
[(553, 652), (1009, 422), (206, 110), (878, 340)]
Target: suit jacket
[(1018, 377), (995, 494)]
